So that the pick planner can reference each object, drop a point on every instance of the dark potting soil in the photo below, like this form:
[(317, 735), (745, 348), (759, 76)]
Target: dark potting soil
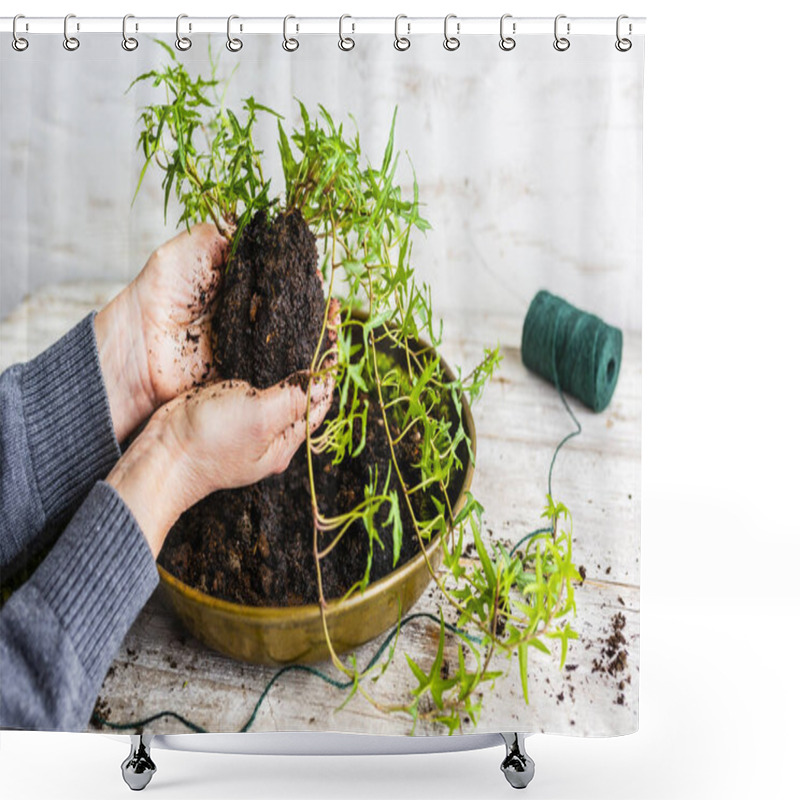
[(271, 305), (255, 545)]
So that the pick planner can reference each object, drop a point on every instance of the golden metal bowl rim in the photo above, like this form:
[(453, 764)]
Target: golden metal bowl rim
[(306, 613)]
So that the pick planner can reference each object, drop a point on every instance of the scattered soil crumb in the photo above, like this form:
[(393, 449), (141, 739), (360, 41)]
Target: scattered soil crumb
[(613, 658), (101, 709)]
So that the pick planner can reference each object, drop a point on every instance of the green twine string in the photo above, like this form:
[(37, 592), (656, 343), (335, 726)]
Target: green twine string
[(588, 352), (554, 371), (344, 684)]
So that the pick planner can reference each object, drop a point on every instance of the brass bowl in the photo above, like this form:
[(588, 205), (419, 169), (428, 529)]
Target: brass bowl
[(278, 635)]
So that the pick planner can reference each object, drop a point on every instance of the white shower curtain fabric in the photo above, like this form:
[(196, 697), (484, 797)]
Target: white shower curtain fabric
[(528, 166)]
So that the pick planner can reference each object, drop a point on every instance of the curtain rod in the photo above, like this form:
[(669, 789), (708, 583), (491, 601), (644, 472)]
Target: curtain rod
[(349, 25)]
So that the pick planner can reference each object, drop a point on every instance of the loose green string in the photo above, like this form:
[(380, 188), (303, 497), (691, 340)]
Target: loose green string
[(549, 530), (347, 684)]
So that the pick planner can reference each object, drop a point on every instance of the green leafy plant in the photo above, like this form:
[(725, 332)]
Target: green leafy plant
[(506, 601), (208, 158)]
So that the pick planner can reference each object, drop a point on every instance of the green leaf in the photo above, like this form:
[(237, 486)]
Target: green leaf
[(416, 669), (235, 123), (387, 155), (395, 521), (170, 52), (378, 320), (522, 651), (251, 105), (486, 562), (539, 645)]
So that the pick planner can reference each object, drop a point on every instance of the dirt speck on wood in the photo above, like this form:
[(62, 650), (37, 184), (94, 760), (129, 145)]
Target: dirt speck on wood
[(613, 657)]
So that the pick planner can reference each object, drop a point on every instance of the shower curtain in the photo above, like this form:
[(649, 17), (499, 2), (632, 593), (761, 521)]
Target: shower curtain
[(367, 297)]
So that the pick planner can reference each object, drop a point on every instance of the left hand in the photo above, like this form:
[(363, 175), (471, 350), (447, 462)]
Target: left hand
[(154, 338), (220, 436)]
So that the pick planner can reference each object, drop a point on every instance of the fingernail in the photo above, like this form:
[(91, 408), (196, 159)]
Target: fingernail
[(320, 389), (318, 413)]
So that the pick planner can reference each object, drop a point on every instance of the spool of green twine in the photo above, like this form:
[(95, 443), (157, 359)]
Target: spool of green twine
[(572, 349)]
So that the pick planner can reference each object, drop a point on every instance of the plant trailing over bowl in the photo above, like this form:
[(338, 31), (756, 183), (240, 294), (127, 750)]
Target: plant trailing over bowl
[(374, 485)]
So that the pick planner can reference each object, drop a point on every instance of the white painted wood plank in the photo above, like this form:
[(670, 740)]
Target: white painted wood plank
[(161, 667)]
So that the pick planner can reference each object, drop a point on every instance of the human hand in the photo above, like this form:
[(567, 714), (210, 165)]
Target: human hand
[(154, 337), (220, 436)]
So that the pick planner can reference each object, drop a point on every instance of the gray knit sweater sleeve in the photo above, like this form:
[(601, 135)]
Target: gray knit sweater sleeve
[(56, 437), (60, 631)]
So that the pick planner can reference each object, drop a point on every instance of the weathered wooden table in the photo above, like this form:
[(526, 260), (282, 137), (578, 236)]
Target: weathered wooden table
[(519, 421)]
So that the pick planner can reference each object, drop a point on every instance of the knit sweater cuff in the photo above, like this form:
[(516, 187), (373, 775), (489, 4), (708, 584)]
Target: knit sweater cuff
[(65, 402), (97, 578)]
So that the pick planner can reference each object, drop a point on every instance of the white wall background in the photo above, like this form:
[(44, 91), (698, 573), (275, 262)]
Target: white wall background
[(529, 162)]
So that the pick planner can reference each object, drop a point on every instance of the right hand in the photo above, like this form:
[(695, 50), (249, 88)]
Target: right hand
[(220, 436), (154, 337)]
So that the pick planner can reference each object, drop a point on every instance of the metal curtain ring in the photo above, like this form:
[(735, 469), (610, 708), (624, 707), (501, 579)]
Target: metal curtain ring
[(346, 43), (71, 43), (451, 42), (289, 44), (129, 43), (233, 44), (561, 43), (19, 43), (183, 43), (401, 42), (623, 44), (507, 42)]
